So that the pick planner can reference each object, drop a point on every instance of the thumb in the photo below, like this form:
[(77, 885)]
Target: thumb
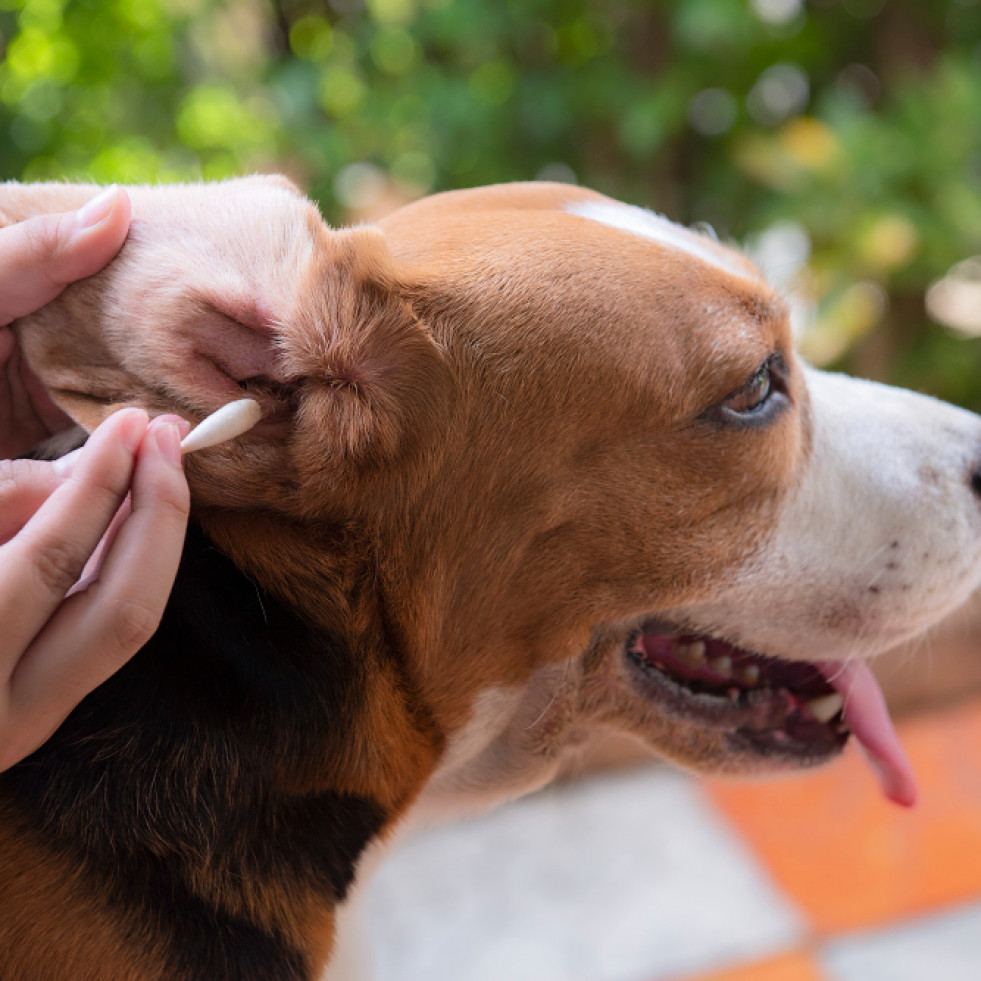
[(41, 256)]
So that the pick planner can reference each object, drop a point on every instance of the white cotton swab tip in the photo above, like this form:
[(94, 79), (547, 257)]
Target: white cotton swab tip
[(229, 421)]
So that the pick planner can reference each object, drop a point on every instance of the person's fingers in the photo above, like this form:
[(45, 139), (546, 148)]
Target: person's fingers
[(38, 258), (140, 562), (94, 565), (64, 465), (24, 486), (40, 564), (42, 255), (96, 631)]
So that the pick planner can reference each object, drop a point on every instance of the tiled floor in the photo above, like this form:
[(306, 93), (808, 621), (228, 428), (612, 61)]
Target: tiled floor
[(647, 875)]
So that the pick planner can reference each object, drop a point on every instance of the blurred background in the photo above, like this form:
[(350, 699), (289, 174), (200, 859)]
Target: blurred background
[(839, 141)]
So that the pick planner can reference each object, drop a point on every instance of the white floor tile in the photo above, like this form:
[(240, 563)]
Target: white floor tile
[(628, 877), (946, 947)]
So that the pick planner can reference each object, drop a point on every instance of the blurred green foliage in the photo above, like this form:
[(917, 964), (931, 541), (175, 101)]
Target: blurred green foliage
[(841, 133)]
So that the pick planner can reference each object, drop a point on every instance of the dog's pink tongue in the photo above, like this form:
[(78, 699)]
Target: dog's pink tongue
[(868, 718)]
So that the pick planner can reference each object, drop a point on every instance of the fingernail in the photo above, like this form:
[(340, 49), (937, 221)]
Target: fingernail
[(98, 208), (183, 426), (64, 465), (132, 427), (168, 439)]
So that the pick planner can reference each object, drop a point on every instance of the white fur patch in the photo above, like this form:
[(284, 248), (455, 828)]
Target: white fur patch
[(878, 540), (647, 224)]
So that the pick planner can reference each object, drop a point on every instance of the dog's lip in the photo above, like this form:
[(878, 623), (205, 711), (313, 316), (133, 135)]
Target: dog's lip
[(717, 686), (775, 707)]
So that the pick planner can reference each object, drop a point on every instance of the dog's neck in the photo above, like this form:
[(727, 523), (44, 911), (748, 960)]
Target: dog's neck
[(237, 766)]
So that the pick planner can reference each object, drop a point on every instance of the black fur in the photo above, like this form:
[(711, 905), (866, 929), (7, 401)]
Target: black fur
[(178, 763)]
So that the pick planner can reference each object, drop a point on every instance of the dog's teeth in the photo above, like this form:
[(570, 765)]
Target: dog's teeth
[(229, 421), (749, 674), (722, 666), (825, 708), (692, 654)]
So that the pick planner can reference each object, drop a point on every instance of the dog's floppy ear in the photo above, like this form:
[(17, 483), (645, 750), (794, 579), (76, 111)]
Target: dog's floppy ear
[(238, 288)]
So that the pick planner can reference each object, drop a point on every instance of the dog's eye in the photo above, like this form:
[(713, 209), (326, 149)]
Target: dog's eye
[(759, 402), (752, 395)]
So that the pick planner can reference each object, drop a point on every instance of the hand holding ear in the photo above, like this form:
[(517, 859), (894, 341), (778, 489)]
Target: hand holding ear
[(38, 259)]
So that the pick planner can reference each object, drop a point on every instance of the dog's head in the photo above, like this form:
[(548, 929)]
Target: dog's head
[(597, 487)]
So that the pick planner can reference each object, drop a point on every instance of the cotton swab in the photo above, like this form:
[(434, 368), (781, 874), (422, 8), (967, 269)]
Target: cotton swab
[(226, 423)]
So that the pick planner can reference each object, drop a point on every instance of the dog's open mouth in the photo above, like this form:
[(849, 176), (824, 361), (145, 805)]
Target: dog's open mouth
[(797, 711)]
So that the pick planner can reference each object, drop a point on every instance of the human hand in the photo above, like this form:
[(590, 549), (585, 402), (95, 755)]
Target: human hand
[(60, 638), (38, 259)]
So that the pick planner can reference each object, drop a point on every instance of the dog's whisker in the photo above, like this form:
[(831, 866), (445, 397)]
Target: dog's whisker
[(555, 694), (262, 606)]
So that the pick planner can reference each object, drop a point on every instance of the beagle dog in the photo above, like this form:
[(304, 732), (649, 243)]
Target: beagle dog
[(533, 465)]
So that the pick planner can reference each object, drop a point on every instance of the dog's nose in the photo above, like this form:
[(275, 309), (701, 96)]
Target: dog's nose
[(976, 481)]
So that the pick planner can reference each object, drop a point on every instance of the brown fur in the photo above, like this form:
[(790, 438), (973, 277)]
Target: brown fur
[(56, 925), (487, 452)]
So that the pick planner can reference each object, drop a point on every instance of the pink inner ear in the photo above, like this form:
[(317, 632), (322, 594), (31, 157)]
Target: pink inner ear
[(239, 340), (236, 354)]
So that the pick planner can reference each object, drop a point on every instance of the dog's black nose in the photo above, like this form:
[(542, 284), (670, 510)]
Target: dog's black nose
[(976, 481)]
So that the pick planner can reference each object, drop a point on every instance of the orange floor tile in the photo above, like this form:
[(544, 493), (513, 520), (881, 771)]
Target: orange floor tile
[(797, 966), (847, 857)]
